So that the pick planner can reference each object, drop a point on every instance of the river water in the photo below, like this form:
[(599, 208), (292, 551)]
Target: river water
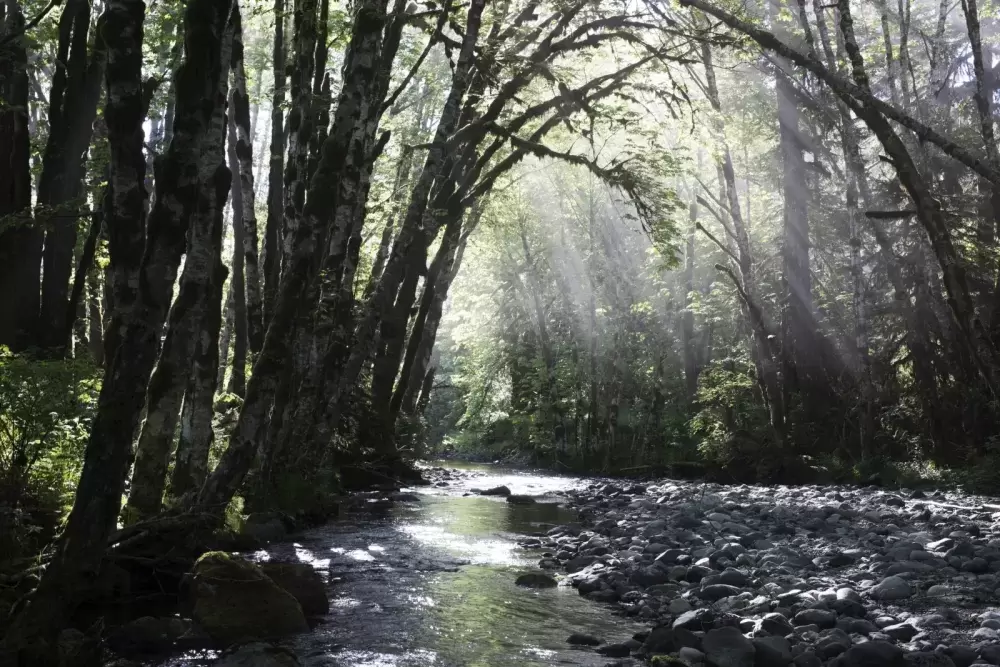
[(432, 582)]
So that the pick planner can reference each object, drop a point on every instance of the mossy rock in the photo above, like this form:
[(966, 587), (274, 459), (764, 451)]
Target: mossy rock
[(667, 661), (303, 582), (233, 600)]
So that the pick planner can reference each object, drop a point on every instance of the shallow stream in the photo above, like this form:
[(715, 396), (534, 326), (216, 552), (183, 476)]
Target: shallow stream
[(432, 582)]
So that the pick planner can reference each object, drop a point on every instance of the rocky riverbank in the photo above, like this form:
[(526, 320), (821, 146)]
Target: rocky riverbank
[(747, 576)]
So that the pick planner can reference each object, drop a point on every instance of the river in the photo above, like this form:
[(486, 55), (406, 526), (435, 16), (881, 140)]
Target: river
[(431, 582)]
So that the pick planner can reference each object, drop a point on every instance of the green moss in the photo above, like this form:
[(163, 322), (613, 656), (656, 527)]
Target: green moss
[(233, 600)]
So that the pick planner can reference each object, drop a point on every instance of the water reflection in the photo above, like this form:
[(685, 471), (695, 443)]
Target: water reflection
[(432, 583)]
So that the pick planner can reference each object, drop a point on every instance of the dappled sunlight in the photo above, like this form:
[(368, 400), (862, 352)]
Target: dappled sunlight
[(360, 555), (307, 556)]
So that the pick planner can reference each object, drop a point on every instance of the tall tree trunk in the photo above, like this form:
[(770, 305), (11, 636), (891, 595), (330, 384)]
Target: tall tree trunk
[(130, 347), (972, 332), (224, 339), (206, 197), (798, 336), (335, 165), (95, 318), (427, 386), (420, 347), (73, 99), (985, 89), (196, 434), (275, 178), (687, 319), (424, 330), (411, 243), (20, 240), (300, 121), (762, 352), (238, 376), (242, 150), (86, 261)]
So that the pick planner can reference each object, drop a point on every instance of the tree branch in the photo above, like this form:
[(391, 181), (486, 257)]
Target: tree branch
[(845, 88)]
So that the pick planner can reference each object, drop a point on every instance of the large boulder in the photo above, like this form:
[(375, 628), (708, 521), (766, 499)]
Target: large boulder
[(257, 654), (233, 600), (303, 582), (727, 647)]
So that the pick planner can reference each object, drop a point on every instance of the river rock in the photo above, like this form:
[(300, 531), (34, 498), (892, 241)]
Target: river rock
[(691, 656), (257, 654), (774, 624), (902, 632), (233, 600), (303, 582), (536, 580), (772, 652), (727, 647), (496, 491), (892, 588), (660, 640), (615, 650), (962, 656), (927, 659), (871, 654), (520, 500), (820, 617), (718, 591), (582, 639), (696, 619)]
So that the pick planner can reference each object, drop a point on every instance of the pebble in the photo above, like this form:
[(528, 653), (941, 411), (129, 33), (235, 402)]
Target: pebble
[(746, 576)]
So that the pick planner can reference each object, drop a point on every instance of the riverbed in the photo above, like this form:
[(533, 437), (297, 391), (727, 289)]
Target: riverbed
[(430, 581)]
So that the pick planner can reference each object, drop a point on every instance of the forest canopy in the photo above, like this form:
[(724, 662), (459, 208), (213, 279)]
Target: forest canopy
[(252, 252)]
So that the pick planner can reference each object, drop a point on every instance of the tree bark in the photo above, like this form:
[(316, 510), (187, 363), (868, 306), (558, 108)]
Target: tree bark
[(983, 95), (275, 178), (415, 231), (424, 330), (974, 335), (95, 318), (20, 240), (339, 160), (762, 353), (80, 278), (205, 198), (431, 310), (130, 343), (73, 99), (687, 319), (196, 434), (224, 338), (300, 121), (238, 375), (243, 152)]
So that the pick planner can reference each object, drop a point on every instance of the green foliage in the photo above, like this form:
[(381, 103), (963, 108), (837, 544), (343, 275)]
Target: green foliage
[(728, 405), (45, 412)]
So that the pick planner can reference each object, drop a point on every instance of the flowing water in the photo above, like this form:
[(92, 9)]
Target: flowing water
[(432, 583)]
